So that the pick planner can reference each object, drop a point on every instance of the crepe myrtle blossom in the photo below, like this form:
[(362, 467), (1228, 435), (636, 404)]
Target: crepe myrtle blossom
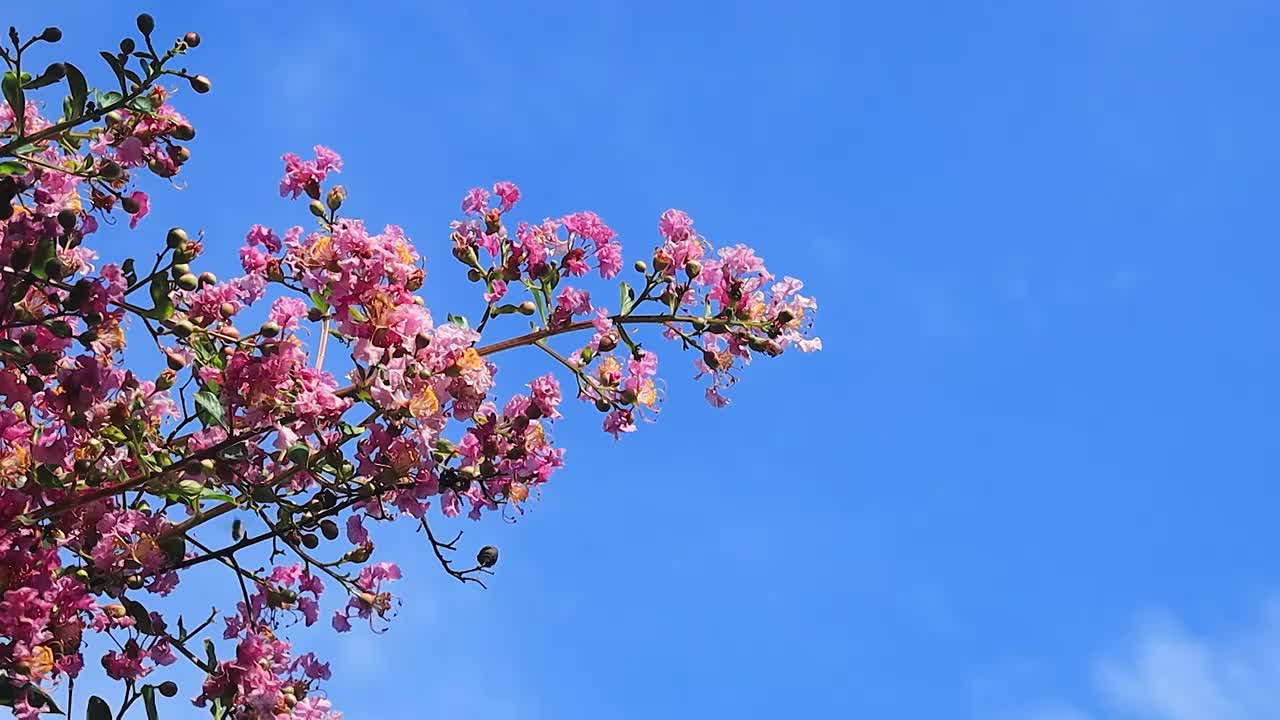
[(273, 453)]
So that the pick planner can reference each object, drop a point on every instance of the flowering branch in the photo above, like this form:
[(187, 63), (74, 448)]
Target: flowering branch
[(110, 480)]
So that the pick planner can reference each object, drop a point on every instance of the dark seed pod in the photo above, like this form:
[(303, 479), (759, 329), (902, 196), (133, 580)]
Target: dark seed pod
[(487, 557), (146, 24), (311, 541), (51, 35), (127, 46), (329, 529), (168, 688)]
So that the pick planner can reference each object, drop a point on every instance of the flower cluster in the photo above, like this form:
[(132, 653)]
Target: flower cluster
[(110, 478)]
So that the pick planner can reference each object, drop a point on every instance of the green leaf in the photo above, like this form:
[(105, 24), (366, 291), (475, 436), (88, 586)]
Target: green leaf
[(211, 653), (209, 494), (79, 92), (142, 103), (109, 98), (320, 300), (116, 68), (113, 433), (174, 548), (459, 320), (209, 408), (34, 695), (160, 296), (48, 77), (130, 274), (45, 251), (98, 709), (625, 297), (149, 699), (141, 618), (13, 167), (11, 85), (9, 347)]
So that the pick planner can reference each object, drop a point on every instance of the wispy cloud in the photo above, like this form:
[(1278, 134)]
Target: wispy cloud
[(1166, 671)]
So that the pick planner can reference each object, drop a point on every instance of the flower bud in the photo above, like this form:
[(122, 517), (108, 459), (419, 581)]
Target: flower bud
[(692, 268), (192, 39), (201, 84), (51, 34), (317, 208), (785, 317), (227, 309), (527, 308), (184, 132), (487, 557), (335, 197), (269, 329), (757, 344), (61, 329), (130, 205), (109, 169), (127, 46), (168, 688), (475, 275), (166, 379), (329, 529), (315, 314), (607, 343), (641, 267), (311, 541), (67, 219), (114, 118), (188, 281), (628, 397), (603, 405), (230, 331), (299, 454), (711, 360), (183, 328), (174, 360), (134, 582), (146, 24), (661, 260), (208, 278), (45, 363)]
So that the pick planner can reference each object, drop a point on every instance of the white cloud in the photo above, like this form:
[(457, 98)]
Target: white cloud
[(1166, 671), (1171, 673)]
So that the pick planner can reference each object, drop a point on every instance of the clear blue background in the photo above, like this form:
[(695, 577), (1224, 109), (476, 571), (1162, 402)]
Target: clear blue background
[(1043, 239)]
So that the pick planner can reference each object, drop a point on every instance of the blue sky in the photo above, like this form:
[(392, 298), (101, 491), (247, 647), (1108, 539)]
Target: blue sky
[(1032, 476)]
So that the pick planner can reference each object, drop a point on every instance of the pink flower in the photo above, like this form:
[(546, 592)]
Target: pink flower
[(609, 256), (675, 225), (264, 236), (144, 207), (286, 311), (129, 152), (476, 201), (573, 301), (508, 194)]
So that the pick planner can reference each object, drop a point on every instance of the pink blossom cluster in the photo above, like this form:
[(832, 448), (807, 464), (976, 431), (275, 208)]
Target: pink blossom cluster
[(110, 479)]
